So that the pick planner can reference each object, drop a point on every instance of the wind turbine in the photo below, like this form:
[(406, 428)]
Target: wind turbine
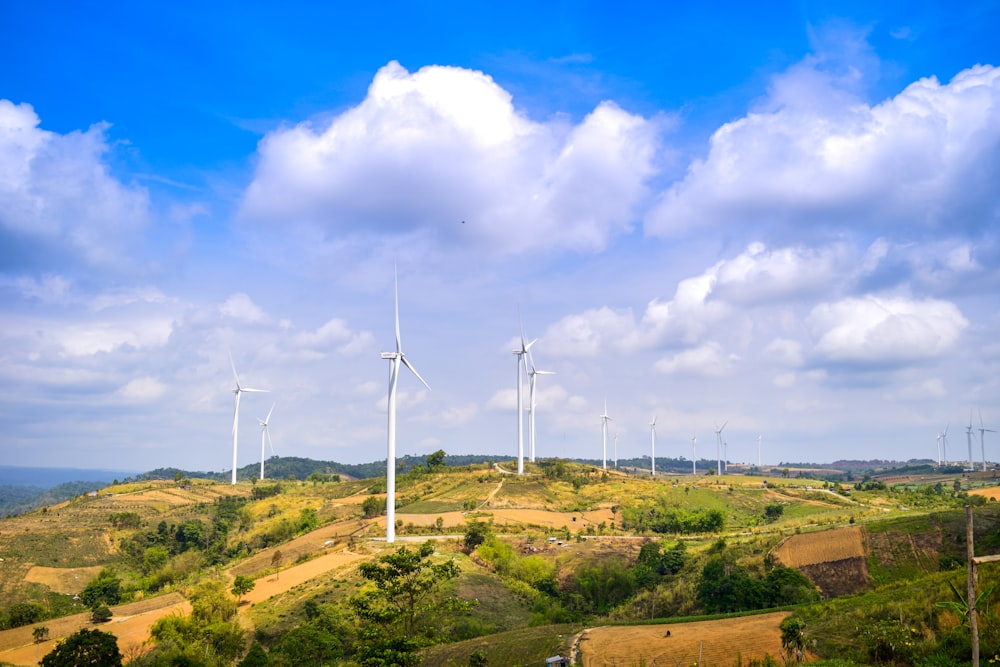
[(694, 455), (652, 447), (236, 410), (982, 437), (616, 451), (944, 444), (521, 361), (604, 424), (718, 446), (532, 372), (968, 438), (395, 358), (264, 432), (937, 442)]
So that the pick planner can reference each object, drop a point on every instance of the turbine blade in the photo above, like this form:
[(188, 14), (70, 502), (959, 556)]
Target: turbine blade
[(395, 279), (414, 371), (233, 364), (269, 443), (265, 391), (268, 417)]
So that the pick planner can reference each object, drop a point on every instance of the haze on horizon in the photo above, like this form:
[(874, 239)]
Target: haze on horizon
[(782, 217)]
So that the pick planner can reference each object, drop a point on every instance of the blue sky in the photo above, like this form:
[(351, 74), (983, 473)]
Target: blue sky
[(783, 217)]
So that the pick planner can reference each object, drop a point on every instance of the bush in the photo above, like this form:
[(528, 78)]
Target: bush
[(86, 647), (101, 614)]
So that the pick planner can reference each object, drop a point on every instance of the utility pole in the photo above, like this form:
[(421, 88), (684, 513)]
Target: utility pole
[(973, 621)]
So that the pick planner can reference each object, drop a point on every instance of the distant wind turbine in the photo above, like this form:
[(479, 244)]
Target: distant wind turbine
[(982, 437), (968, 438), (521, 361), (395, 358), (265, 432), (718, 446), (604, 425), (652, 447), (937, 442), (944, 444), (236, 410), (532, 373), (694, 455)]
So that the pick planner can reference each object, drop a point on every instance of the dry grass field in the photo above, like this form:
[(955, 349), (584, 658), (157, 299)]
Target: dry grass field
[(834, 560), (719, 643), (68, 580)]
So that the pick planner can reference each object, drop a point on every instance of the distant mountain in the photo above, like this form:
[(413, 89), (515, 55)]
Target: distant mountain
[(48, 477)]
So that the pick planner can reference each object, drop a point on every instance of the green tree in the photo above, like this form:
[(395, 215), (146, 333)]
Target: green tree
[(276, 562), (476, 532), (793, 639), (24, 613), (435, 460), (373, 506), (241, 586), (404, 591), (105, 588), (255, 657), (101, 614), (86, 648), (40, 634)]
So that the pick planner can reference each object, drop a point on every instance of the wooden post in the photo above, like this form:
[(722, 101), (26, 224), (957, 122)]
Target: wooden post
[(973, 621)]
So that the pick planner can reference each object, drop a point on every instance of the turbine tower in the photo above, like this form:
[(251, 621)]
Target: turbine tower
[(604, 425), (944, 444), (718, 446), (982, 437), (652, 447), (532, 372), (937, 442), (968, 438), (236, 410), (265, 432), (521, 361), (395, 358), (694, 455)]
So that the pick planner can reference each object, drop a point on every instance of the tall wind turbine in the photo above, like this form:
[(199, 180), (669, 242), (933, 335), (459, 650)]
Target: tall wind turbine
[(532, 372), (236, 410), (395, 358), (944, 444), (968, 438), (604, 425), (694, 455), (718, 446), (652, 447), (982, 437), (937, 442), (521, 361), (265, 432)]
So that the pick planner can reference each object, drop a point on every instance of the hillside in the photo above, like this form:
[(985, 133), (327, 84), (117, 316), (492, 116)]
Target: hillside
[(566, 543)]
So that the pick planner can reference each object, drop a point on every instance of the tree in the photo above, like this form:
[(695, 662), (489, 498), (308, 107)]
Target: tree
[(105, 588), (241, 586), (373, 506), (276, 562), (404, 592), (40, 634), (476, 532), (435, 460), (86, 648), (792, 639), (24, 613), (101, 614)]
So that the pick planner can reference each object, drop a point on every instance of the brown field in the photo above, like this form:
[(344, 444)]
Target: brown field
[(992, 492), (69, 580), (721, 642), (326, 538), (287, 578), (511, 517), (131, 623), (821, 547)]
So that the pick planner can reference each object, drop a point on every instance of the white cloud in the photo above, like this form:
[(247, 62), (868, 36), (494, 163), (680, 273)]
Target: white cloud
[(142, 390), (816, 153), (708, 359), (241, 307), (91, 338), (784, 351), (428, 150), (336, 333), (885, 329), (55, 189)]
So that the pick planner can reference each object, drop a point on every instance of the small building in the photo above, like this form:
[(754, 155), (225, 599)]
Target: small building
[(557, 661)]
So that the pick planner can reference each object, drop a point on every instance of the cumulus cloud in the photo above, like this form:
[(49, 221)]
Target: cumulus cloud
[(90, 338), (879, 330), (241, 307), (428, 150), (141, 390), (335, 333), (708, 359), (816, 153), (56, 190)]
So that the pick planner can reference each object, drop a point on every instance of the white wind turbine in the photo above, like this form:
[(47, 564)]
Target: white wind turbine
[(521, 361), (982, 437), (937, 442), (968, 438), (236, 410), (395, 358), (944, 444), (265, 432), (652, 447), (694, 455), (532, 372), (604, 426), (718, 446)]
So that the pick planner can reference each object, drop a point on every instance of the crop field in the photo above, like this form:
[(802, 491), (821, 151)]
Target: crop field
[(719, 643), (68, 580), (834, 560)]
